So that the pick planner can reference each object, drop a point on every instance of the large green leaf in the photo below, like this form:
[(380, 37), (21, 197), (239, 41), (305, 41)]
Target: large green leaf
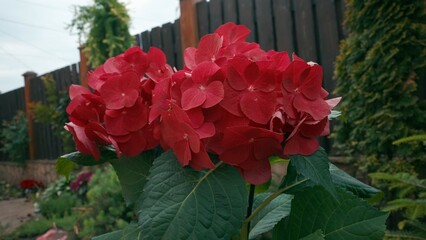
[(344, 180), (133, 174), (107, 154), (64, 167), (317, 235), (131, 232), (316, 168), (180, 203), (347, 218), (269, 216)]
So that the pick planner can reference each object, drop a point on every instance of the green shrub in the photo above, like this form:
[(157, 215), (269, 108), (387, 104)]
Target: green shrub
[(14, 138), (36, 227), (60, 206), (108, 211), (409, 205), (378, 71)]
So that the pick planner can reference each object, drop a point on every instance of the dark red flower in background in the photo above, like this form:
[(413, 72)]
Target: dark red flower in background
[(30, 184)]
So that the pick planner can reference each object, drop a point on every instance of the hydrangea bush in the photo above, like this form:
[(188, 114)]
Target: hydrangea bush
[(187, 144)]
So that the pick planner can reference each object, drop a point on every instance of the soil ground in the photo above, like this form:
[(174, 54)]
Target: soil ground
[(13, 213)]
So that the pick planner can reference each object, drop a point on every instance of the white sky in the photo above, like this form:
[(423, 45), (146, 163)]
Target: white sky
[(33, 35)]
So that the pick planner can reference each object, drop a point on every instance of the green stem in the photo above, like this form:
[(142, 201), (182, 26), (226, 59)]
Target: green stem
[(246, 223)]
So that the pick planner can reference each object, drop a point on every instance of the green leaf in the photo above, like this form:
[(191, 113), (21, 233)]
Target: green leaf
[(317, 235), (133, 174), (294, 181), (279, 231), (64, 167), (131, 232), (79, 158), (180, 203), (269, 216), (346, 218), (344, 180), (316, 168)]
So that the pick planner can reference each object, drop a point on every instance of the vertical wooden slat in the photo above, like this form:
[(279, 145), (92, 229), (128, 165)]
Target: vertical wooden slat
[(74, 74), (265, 25), (215, 14), (156, 37), (305, 30), (328, 40), (138, 40), (230, 11), (247, 17), (83, 68), (178, 45), (203, 18), (28, 78), (146, 41), (340, 7), (188, 23), (283, 21), (168, 43)]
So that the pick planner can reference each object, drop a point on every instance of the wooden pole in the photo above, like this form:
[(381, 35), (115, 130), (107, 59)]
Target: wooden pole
[(188, 23), (28, 103), (84, 70)]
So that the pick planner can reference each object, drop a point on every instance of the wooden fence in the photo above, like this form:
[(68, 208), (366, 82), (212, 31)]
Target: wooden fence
[(310, 28)]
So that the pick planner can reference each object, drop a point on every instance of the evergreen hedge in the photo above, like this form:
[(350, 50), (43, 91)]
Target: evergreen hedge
[(380, 73)]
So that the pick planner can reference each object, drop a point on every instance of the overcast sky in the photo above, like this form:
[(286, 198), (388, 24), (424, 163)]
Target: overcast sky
[(33, 34)]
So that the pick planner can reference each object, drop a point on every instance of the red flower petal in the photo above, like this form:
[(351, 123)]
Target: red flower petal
[(121, 91), (193, 97), (318, 108), (214, 94), (258, 107)]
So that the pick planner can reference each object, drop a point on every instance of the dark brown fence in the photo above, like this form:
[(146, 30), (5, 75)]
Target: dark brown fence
[(47, 144), (167, 37)]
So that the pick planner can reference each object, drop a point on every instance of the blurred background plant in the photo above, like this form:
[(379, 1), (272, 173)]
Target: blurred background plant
[(14, 138), (106, 210), (104, 26), (53, 111), (8, 191), (380, 72), (408, 206)]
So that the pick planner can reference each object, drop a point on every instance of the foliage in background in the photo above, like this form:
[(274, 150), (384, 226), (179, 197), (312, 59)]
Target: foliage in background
[(379, 69), (8, 191), (53, 112), (107, 209), (410, 203), (60, 206), (105, 25), (14, 138), (39, 226)]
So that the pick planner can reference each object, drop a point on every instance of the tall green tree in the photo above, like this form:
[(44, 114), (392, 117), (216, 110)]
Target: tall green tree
[(379, 69), (105, 28)]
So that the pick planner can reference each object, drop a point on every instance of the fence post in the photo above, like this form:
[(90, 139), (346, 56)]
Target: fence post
[(83, 67), (188, 23), (28, 102)]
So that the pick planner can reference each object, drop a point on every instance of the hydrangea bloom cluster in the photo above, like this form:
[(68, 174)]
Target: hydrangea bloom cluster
[(232, 99)]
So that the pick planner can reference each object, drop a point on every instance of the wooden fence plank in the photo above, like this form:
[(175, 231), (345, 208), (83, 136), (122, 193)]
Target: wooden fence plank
[(230, 11), (284, 26), (156, 38), (168, 43), (305, 30), (203, 18), (265, 25), (328, 40), (215, 14), (246, 17), (138, 40), (178, 45), (146, 40)]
